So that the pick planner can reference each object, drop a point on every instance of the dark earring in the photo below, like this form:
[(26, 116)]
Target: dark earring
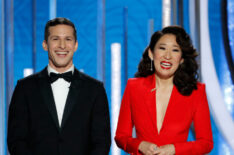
[(151, 65)]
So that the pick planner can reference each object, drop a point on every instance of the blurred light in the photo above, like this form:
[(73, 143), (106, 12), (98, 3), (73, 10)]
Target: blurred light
[(225, 149), (229, 95), (81, 70), (228, 90), (166, 15), (115, 91), (53, 8), (220, 113), (28, 71)]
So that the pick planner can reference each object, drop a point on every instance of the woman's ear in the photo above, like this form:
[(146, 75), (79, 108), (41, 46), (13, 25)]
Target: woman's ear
[(181, 61), (150, 54)]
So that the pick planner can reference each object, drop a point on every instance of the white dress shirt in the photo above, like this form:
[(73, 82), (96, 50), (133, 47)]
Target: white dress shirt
[(60, 90)]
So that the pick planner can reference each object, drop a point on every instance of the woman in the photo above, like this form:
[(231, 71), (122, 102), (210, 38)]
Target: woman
[(165, 99)]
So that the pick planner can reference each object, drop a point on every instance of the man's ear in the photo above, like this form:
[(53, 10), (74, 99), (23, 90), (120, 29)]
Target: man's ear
[(76, 46), (150, 54), (44, 45)]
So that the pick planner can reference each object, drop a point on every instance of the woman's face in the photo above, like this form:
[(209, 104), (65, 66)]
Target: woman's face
[(167, 56)]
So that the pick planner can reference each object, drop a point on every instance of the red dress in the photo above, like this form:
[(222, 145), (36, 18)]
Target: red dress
[(138, 108)]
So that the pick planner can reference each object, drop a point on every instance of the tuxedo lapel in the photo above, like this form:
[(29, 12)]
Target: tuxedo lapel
[(74, 96), (46, 91)]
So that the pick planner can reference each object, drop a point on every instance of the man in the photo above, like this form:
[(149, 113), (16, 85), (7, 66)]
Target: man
[(59, 114)]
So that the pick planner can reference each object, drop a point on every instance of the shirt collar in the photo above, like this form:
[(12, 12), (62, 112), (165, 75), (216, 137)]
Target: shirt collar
[(50, 69)]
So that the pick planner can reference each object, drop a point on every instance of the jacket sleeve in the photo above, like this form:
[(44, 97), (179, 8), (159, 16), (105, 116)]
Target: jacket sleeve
[(18, 133), (123, 136), (100, 126), (202, 125)]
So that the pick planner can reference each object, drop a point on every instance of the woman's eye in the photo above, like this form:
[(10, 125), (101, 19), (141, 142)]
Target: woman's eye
[(176, 50), (162, 48)]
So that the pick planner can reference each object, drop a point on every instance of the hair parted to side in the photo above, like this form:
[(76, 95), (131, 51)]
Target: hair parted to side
[(185, 78), (58, 21)]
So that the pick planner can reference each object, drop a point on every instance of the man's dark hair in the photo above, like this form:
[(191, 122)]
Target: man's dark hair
[(58, 21), (185, 78)]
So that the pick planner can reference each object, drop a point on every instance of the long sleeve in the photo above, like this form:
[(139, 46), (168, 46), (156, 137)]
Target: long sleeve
[(100, 130), (123, 136), (201, 119), (18, 134)]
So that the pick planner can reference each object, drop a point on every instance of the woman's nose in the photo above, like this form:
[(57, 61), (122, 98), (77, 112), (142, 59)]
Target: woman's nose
[(168, 54)]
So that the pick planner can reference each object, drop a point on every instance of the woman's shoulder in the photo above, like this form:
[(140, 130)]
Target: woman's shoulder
[(201, 88), (136, 79), (139, 80)]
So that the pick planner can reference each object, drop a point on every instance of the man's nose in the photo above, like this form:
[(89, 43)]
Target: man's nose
[(62, 44)]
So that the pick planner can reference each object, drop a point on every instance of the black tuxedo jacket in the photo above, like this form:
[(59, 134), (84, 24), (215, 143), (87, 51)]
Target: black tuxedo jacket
[(33, 127)]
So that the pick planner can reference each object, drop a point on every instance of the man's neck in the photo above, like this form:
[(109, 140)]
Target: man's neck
[(63, 70)]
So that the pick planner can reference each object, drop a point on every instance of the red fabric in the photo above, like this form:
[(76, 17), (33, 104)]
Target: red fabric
[(138, 108)]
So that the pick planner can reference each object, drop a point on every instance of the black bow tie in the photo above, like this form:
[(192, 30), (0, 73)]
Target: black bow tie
[(66, 76)]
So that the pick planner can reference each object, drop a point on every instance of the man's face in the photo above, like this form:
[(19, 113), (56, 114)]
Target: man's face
[(61, 46)]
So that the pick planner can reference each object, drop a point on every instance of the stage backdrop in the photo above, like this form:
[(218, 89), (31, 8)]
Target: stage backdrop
[(118, 31)]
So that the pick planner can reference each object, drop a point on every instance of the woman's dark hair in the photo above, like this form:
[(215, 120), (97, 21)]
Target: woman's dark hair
[(185, 78)]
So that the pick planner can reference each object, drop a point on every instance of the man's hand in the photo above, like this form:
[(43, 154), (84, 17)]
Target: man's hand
[(147, 148)]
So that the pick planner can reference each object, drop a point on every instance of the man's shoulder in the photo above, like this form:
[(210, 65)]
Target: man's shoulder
[(33, 77), (88, 79)]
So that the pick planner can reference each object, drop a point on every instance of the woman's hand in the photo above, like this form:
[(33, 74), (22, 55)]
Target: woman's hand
[(147, 148), (165, 150)]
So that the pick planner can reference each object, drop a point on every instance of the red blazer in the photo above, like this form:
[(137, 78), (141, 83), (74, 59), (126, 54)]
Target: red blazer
[(138, 108)]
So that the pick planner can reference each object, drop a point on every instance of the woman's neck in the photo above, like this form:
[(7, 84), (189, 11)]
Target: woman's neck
[(163, 83)]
